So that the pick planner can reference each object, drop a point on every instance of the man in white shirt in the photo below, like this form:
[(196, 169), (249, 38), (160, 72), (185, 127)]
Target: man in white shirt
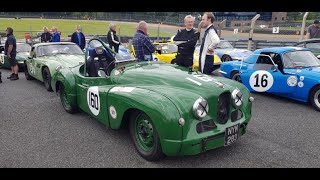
[(209, 41)]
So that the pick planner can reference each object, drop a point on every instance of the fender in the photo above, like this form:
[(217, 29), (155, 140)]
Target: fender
[(164, 113), (66, 77)]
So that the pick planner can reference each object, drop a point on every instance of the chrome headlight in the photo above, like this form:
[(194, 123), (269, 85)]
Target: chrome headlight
[(200, 108), (237, 98)]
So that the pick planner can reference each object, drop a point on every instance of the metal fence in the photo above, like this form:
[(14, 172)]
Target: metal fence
[(264, 31), (273, 28)]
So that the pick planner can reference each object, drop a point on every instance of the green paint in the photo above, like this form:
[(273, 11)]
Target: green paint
[(165, 93)]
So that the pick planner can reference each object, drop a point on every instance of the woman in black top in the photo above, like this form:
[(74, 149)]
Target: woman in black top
[(112, 38)]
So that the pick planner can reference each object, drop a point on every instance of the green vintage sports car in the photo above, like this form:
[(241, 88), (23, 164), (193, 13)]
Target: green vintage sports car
[(45, 58), (23, 51), (168, 110)]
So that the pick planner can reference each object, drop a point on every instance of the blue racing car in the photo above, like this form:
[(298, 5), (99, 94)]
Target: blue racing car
[(227, 52), (291, 72)]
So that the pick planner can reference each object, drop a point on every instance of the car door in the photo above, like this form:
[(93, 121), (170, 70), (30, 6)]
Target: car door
[(30, 62), (92, 93), (35, 63), (265, 76)]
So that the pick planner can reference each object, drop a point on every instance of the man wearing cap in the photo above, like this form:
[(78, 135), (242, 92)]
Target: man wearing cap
[(314, 30), (10, 51)]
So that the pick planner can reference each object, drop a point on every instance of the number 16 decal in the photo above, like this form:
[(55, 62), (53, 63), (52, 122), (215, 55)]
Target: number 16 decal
[(261, 81), (93, 100)]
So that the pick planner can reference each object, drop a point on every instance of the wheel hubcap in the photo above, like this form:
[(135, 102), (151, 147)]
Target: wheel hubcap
[(227, 58), (144, 133), (237, 77), (316, 98)]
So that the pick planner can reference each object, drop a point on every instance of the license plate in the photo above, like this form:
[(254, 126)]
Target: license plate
[(231, 134)]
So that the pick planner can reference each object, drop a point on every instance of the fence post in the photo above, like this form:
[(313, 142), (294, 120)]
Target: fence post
[(303, 25), (253, 21), (158, 32), (220, 25), (119, 35), (31, 36)]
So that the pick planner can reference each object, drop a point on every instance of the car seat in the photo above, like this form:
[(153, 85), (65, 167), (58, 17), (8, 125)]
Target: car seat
[(99, 59)]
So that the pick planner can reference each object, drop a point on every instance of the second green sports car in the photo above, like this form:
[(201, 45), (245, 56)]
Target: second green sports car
[(23, 51), (45, 58), (168, 109)]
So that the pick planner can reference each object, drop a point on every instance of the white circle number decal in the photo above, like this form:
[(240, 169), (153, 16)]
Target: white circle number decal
[(261, 81), (113, 112), (2, 59), (93, 100)]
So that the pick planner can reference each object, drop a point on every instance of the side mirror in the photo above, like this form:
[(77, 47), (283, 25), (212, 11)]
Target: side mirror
[(159, 51), (275, 68), (318, 56)]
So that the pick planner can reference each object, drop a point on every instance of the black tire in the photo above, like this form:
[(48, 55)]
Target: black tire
[(47, 78), (226, 58), (63, 97), (236, 76), (27, 74), (173, 61), (155, 152), (315, 97)]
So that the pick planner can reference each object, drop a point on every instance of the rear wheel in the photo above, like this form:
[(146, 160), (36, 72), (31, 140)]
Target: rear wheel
[(315, 98), (64, 100), (47, 78), (27, 74), (145, 136), (226, 58), (236, 76), (173, 61)]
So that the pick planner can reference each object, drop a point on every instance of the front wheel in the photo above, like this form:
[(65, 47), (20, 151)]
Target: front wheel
[(315, 98), (236, 76), (47, 78), (64, 101), (27, 74), (226, 58), (145, 137)]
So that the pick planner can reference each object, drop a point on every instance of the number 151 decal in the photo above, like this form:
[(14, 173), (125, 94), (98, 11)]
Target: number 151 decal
[(261, 81)]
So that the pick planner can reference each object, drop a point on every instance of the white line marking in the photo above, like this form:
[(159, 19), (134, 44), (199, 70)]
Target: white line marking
[(194, 81)]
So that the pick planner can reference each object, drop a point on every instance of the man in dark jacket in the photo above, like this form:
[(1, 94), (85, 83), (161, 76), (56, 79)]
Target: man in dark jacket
[(46, 36), (186, 39), (112, 38), (78, 37), (143, 47)]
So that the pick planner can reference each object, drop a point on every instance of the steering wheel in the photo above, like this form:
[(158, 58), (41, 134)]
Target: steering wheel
[(109, 66)]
